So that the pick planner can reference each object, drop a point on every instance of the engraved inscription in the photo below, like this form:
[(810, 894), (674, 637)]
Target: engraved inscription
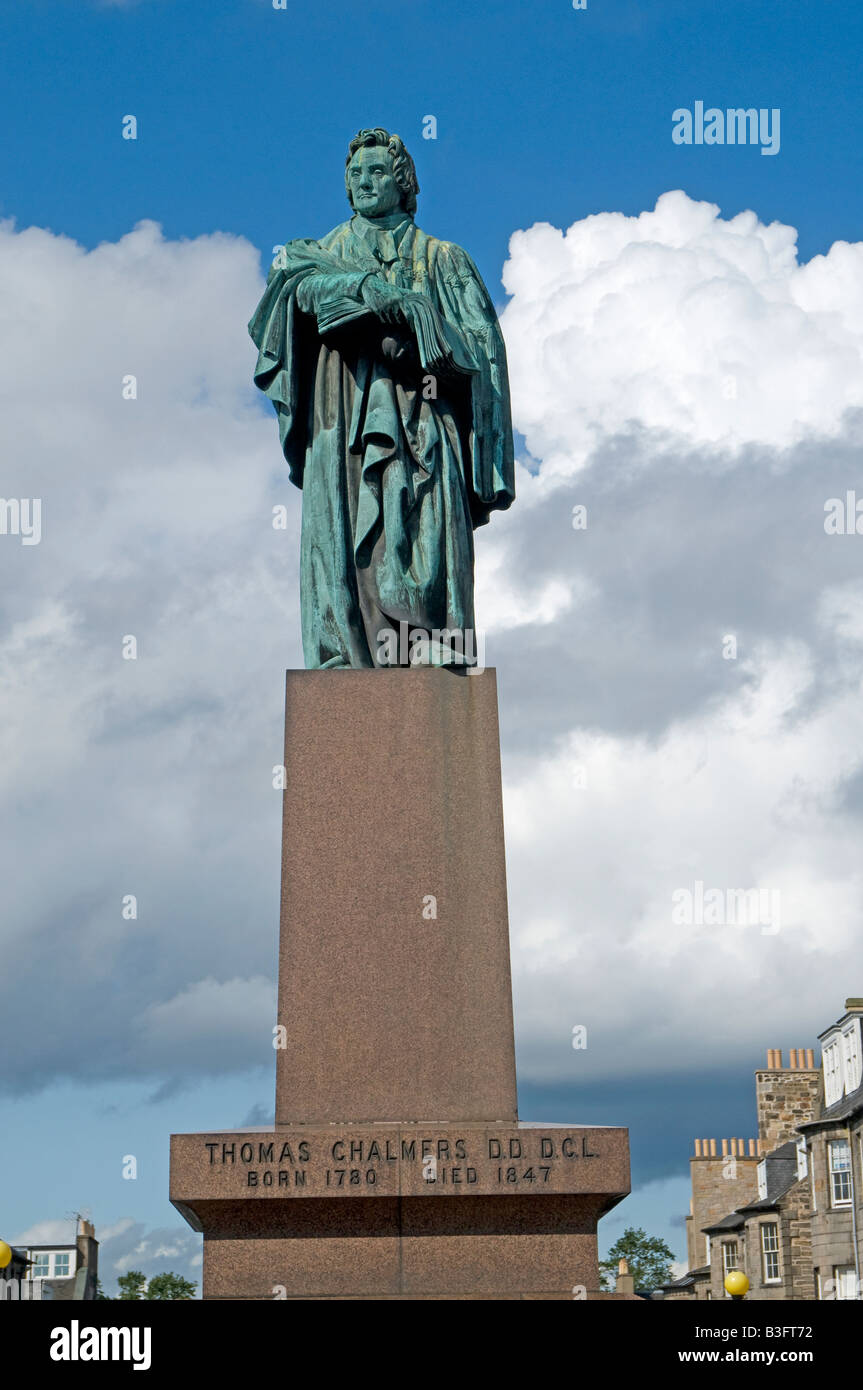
[(334, 1162)]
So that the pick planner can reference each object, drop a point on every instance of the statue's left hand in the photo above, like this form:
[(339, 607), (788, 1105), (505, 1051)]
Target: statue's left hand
[(383, 299), (425, 320)]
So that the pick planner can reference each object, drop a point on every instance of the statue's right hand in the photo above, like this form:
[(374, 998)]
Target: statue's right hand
[(383, 299)]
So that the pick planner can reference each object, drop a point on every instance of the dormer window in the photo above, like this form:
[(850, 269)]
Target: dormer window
[(841, 1056), (51, 1264)]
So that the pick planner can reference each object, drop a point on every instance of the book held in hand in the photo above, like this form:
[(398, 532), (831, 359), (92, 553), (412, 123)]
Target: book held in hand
[(435, 337)]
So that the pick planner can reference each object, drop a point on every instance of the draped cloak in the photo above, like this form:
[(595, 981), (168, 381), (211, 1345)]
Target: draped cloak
[(396, 472)]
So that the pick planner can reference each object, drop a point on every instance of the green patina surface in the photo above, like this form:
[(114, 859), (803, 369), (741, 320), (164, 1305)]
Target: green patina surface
[(381, 352)]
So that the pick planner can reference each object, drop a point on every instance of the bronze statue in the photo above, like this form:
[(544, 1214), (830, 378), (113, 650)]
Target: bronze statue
[(381, 351)]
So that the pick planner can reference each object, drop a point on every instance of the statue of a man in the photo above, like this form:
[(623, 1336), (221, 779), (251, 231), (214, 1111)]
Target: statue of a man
[(381, 351)]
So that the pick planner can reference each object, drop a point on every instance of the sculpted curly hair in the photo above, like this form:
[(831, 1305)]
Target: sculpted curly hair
[(404, 172)]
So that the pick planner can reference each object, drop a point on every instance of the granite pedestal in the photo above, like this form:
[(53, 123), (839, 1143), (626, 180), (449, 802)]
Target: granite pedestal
[(397, 1167)]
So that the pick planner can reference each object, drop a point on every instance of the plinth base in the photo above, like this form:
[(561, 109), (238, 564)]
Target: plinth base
[(394, 1211)]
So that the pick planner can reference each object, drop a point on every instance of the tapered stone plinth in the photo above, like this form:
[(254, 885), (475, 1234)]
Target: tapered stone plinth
[(394, 977), (397, 1167)]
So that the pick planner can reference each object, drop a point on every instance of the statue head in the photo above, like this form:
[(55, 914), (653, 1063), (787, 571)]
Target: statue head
[(379, 174)]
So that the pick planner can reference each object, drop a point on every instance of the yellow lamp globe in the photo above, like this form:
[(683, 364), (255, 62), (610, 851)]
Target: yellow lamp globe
[(736, 1283), (5, 1254)]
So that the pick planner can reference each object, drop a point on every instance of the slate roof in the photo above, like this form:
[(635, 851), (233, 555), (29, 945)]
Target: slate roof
[(781, 1173), (687, 1280), (732, 1222)]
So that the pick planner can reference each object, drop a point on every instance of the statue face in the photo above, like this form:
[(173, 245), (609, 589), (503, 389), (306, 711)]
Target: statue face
[(373, 188)]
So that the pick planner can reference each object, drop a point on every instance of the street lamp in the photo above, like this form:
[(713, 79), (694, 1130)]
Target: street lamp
[(736, 1284)]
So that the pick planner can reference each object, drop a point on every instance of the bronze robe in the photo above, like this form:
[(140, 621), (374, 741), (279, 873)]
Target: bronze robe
[(397, 466)]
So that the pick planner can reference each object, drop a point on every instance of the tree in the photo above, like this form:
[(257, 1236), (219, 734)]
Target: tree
[(132, 1285), (100, 1292), (170, 1286), (648, 1257)]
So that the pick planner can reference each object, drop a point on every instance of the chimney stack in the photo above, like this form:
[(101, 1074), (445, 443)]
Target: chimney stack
[(785, 1097), (625, 1280)]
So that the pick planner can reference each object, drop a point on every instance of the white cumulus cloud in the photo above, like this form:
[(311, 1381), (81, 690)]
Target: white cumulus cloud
[(681, 322)]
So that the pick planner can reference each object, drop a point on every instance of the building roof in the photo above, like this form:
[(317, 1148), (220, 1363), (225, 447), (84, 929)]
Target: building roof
[(781, 1171), (853, 1008), (732, 1222), (687, 1280)]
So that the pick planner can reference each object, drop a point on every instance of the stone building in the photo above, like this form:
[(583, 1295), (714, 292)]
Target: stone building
[(58, 1272), (768, 1238), (787, 1208), (834, 1155), (723, 1173)]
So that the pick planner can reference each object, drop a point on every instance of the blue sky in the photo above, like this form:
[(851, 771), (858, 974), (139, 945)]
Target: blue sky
[(544, 114)]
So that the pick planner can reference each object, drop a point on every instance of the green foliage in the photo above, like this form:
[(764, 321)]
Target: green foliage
[(170, 1286), (131, 1285), (648, 1257)]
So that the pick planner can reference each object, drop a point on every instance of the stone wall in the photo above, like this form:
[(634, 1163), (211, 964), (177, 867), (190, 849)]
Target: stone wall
[(832, 1227), (720, 1184)]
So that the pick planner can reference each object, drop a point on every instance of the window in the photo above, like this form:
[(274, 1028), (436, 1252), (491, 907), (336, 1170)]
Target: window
[(61, 1266), (761, 1172), (729, 1259), (844, 1281), (851, 1056), (802, 1160), (840, 1173), (812, 1174), (833, 1081), (770, 1252), (707, 1250), (41, 1266)]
